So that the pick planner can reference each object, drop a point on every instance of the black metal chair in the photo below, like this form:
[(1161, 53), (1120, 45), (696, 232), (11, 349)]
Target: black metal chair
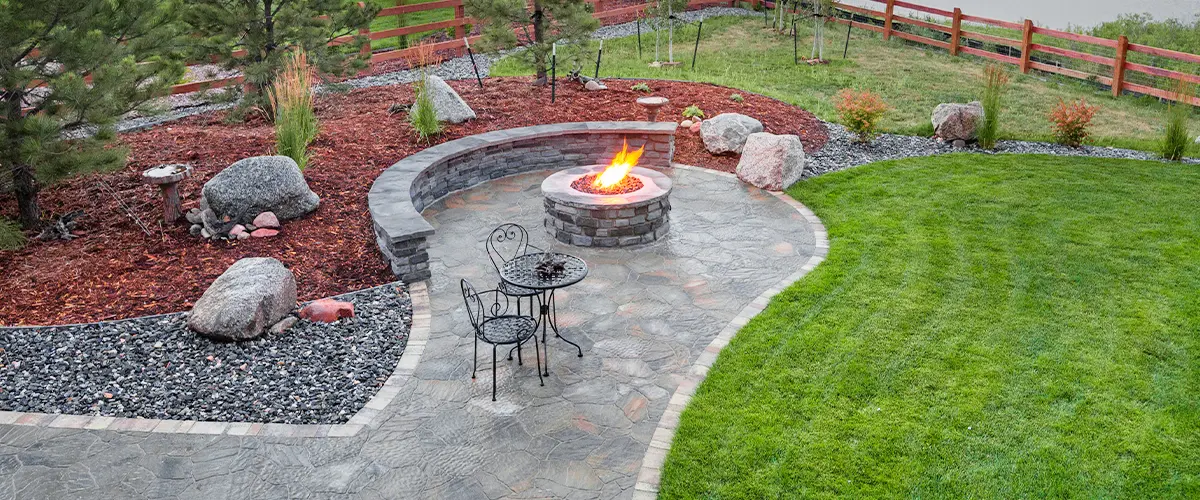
[(489, 314), (507, 242)]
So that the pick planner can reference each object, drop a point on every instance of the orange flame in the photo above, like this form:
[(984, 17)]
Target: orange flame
[(620, 166)]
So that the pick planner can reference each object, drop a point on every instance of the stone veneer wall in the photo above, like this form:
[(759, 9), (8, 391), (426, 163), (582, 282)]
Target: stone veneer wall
[(402, 191)]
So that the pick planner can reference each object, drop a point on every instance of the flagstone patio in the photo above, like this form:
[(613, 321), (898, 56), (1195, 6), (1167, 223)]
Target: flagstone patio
[(644, 317)]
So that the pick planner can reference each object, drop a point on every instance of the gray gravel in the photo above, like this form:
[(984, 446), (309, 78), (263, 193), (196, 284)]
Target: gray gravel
[(155, 367), (843, 151)]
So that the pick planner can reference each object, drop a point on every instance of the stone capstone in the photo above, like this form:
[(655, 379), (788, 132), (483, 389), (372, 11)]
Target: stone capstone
[(250, 296), (771, 162), (953, 121), (727, 132), (447, 105), (260, 184)]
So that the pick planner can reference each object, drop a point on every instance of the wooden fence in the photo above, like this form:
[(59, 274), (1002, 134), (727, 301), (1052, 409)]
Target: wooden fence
[(956, 35), (460, 22)]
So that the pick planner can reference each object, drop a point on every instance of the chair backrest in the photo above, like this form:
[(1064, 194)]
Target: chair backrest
[(483, 305), (506, 242)]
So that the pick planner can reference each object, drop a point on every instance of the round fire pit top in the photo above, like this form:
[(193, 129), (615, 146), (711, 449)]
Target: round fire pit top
[(655, 185)]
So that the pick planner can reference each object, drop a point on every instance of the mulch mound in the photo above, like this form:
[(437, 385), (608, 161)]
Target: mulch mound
[(115, 270)]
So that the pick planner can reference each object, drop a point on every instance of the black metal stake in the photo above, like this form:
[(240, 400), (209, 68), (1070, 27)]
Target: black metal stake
[(795, 44), (553, 75), (846, 49), (639, 28), (473, 65), (599, 55), (696, 49)]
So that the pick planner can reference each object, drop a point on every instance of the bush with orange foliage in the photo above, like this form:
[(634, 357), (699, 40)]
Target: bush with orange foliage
[(1071, 121), (860, 112)]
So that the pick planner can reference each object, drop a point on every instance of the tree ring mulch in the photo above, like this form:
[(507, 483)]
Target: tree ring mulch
[(114, 270)]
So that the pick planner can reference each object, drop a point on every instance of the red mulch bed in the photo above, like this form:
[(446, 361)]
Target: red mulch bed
[(114, 270)]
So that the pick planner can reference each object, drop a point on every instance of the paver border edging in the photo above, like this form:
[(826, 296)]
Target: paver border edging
[(370, 415), (650, 474)]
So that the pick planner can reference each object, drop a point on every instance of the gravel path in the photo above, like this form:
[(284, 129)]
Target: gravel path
[(842, 151), (155, 367)]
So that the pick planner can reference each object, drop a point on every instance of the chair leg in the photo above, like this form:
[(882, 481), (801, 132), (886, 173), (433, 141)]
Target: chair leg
[(475, 359), (519, 353), (493, 372), (537, 356)]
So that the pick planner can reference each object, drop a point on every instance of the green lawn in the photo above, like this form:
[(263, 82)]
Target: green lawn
[(984, 327), (389, 22), (739, 52)]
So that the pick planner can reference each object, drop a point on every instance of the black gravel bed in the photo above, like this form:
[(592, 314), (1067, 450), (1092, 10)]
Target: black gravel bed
[(155, 367), (843, 151)]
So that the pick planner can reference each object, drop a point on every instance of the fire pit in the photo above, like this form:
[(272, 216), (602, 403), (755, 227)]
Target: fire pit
[(615, 205)]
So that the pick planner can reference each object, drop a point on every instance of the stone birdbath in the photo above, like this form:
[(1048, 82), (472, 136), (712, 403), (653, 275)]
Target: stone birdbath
[(652, 105), (167, 178)]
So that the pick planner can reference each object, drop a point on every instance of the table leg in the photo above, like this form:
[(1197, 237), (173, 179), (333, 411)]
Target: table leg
[(550, 311)]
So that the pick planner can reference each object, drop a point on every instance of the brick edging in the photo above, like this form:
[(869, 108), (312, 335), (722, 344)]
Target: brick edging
[(370, 415), (649, 476)]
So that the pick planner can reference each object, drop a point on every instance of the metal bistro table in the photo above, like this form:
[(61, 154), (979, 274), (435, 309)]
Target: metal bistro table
[(520, 272)]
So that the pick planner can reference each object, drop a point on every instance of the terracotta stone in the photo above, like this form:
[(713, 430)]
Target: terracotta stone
[(327, 310), (264, 233)]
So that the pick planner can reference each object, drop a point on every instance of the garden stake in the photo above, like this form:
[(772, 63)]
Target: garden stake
[(639, 28), (795, 44), (699, 28), (553, 68), (599, 54), (472, 56), (846, 50)]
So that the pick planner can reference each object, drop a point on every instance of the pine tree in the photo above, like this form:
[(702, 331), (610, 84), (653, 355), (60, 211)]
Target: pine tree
[(506, 24), (65, 63), (254, 36)]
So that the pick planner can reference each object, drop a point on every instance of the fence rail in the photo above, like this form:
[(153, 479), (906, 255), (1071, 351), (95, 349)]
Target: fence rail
[(1118, 63)]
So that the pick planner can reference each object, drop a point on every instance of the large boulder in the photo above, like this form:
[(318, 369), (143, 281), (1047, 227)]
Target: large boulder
[(957, 122), (260, 184), (447, 105), (727, 132), (249, 297), (770, 161)]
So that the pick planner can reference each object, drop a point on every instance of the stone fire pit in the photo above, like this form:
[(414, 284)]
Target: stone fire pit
[(634, 217)]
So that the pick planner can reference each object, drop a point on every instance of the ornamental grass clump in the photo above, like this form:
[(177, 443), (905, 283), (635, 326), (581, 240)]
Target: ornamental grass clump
[(988, 129), (1177, 137), (1071, 122), (860, 112), (422, 115), (292, 102)]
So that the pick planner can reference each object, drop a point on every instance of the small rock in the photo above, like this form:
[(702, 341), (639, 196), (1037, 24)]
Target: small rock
[(237, 231), (695, 128), (204, 233), (327, 310), (959, 143), (193, 216), (196, 229), (264, 233), (251, 227), (281, 326), (686, 124), (266, 219), (594, 85), (243, 236)]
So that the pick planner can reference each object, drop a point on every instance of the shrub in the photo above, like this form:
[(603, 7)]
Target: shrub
[(693, 111), (295, 120), (1071, 122), (737, 98), (860, 112), (994, 81), (1177, 137), (640, 87), (11, 237)]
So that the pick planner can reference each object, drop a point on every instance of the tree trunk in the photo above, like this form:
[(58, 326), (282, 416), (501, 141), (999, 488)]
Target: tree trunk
[(25, 185), (26, 188), (539, 36)]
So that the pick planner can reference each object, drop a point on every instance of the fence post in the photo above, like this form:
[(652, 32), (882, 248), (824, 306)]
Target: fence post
[(1026, 41), (955, 31), (366, 48), (887, 19), (1119, 65), (459, 30)]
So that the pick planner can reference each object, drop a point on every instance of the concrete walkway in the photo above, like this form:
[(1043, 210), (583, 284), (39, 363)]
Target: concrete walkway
[(644, 318)]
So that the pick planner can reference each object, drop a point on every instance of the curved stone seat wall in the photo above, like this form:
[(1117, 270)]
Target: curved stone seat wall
[(402, 191)]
